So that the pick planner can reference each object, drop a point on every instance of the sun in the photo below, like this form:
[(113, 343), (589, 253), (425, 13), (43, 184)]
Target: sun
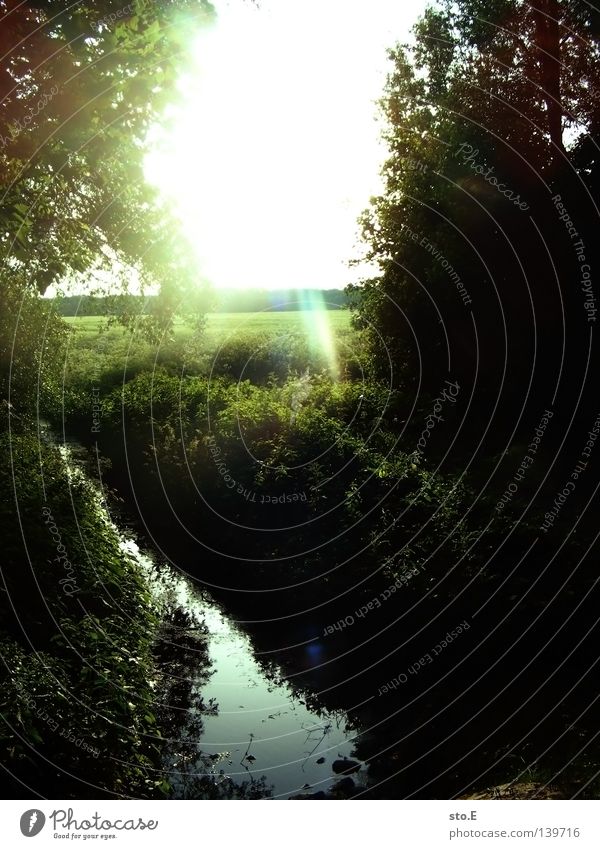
[(273, 151)]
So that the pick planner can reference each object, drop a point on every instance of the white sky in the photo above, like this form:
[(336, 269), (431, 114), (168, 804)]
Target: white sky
[(275, 150)]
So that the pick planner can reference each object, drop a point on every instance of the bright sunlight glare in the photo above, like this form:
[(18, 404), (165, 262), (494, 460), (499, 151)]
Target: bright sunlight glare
[(274, 150)]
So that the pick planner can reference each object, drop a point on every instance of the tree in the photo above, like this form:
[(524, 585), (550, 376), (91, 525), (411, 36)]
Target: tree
[(80, 84), (476, 266)]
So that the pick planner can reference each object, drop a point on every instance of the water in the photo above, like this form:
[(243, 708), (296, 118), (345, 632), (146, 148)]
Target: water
[(262, 727)]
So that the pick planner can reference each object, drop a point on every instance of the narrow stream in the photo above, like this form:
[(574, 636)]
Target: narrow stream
[(260, 728)]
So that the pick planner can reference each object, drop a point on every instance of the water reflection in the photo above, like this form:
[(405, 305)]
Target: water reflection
[(261, 727)]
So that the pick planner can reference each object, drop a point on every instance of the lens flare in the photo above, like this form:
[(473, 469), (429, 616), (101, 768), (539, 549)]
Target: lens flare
[(317, 326)]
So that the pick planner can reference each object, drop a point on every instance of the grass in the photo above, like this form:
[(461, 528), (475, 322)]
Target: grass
[(222, 325), (77, 625), (249, 346), (416, 516)]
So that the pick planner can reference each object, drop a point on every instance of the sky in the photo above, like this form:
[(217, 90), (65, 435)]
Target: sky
[(274, 149)]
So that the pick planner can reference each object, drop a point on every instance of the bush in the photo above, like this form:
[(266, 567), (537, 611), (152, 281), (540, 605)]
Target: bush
[(76, 640)]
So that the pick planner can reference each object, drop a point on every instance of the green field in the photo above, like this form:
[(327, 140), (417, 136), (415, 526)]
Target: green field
[(254, 345), (221, 325)]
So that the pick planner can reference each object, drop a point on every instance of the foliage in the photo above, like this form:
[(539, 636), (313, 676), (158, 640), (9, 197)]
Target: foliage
[(208, 453), (33, 343), (470, 113), (80, 85), (77, 632), (250, 347)]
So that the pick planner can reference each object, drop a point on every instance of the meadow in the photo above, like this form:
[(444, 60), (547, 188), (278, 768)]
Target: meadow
[(253, 346), (389, 494), (199, 431), (230, 323)]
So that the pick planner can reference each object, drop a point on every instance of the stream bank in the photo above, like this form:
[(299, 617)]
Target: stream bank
[(239, 722)]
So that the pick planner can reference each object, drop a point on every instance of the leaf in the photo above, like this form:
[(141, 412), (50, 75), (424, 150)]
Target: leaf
[(35, 736)]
